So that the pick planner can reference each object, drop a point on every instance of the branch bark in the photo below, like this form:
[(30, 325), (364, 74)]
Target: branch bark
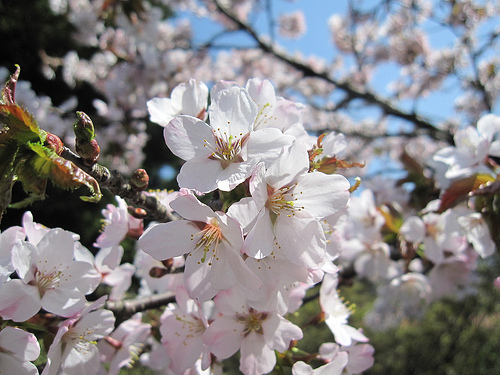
[(114, 182)]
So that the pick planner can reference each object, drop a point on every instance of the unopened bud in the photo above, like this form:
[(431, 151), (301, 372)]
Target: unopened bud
[(84, 128), (139, 180), (54, 143), (9, 90), (89, 151), (157, 272), (137, 212)]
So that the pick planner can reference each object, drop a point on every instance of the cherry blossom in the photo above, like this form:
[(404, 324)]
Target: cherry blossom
[(473, 146), (48, 278), (187, 99), (255, 333), (182, 327), (123, 346), (17, 349), (287, 200), (74, 349), (334, 367), (117, 224), (212, 241), (337, 313), (223, 154)]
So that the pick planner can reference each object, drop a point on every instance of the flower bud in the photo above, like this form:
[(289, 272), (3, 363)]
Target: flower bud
[(53, 142), (139, 180), (84, 128), (137, 212), (89, 151)]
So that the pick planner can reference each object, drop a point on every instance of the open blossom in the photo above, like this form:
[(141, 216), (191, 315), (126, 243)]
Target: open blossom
[(334, 367), (223, 154), (360, 356), (292, 25), (212, 240), (189, 98), (49, 278), (406, 296), (473, 146), (337, 313), (73, 350), (256, 333), (118, 223), (7, 239), (478, 234), (123, 346), (286, 206), (182, 327), (17, 349), (277, 112)]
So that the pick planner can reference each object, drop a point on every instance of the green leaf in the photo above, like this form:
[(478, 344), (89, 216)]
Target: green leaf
[(8, 152), (20, 124), (45, 163)]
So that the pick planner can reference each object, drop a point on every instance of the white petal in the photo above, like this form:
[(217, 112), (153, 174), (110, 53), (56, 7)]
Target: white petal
[(12, 366), (168, 240), (293, 161), (256, 357), (233, 111), (186, 137), (162, 110), (301, 239), (63, 302), (321, 194), (223, 337), (200, 174), (18, 301), (23, 345)]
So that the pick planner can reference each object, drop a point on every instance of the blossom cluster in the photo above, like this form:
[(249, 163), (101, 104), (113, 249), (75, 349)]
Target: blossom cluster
[(267, 209)]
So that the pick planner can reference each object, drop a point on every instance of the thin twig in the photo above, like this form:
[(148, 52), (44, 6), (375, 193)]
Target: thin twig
[(118, 185), (370, 97)]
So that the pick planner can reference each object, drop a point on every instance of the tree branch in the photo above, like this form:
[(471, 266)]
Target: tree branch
[(387, 107), (126, 308), (118, 185)]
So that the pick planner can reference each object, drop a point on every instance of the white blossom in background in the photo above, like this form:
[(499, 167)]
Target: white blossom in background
[(292, 25)]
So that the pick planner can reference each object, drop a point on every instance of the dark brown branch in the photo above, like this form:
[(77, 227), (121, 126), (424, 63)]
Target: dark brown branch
[(118, 185), (387, 107)]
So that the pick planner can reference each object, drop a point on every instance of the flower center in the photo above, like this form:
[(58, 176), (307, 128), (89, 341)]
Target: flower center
[(283, 200), (211, 237), (227, 147), (252, 321), (47, 279)]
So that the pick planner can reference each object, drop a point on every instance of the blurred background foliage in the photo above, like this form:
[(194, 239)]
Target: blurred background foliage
[(453, 338)]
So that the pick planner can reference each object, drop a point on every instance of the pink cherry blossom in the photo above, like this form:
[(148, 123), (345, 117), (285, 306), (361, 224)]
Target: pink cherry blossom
[(212, 241), (49, 278), (337, 313), (182, 327), (223, 154), (292, 25), (472, 148), (123, 346), (117, 224), (189, 98), (334, 367), (255, 333), (73, 350), (286, 201)]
